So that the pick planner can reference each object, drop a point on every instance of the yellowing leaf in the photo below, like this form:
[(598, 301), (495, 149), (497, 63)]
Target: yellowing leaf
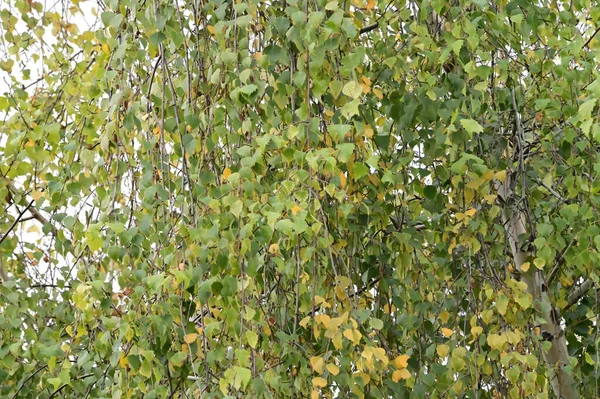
[(296, 209), (353, 335), (337, 340), (444, 316), (304, 321), (476, 331), (402, 374), (379, 354), (343, 180), (319, 382), (378, 93), (33, 229), (317, 363), (365, 88), (496, 341), (401, 361), (226, 173), (274, 249), (539, 263), (471, 212), (314, 394), (442, 350), (211, 29), (352, 89), (190, 338), (525, 266), (447, 332), (501, 175), (123, 361), (333, 369), (490, 198)]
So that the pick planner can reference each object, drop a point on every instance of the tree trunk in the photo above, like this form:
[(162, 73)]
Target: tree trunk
[(557, 357)]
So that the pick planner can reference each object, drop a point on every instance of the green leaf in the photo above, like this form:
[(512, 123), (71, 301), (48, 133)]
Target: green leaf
[(352, 89), (345, 150), (360, 170), (471, 126), (178, 359), (252, 339)]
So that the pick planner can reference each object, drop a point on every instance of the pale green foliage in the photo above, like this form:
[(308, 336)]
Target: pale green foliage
[(284, 199)]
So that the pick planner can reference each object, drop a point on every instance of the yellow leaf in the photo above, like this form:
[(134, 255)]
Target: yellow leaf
[(353, 335), (199, 329), (304, 321), (188, 128), (333, 369), (378, 93), (370, 4), (226, 173), (476, 331), (447, 332), (496, 341), (501, 175), (190, 338), (314, 394), (337, 340), (380, 355), (274, 249), (323, 319), (525, 266), (317, 364), (123, 361), (343, 180), (401, 361), (402, 374), (296, 209), (442, 350), (490, 198), (36, 195), (211, 29), (319, 382), (368, 132), (33, 229), (105, 49), (471, 212)]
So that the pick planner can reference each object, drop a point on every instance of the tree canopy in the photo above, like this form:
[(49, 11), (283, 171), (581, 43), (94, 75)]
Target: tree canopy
[(299, 198)]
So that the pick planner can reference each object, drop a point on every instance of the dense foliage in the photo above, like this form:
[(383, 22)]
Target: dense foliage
[(300, 198)]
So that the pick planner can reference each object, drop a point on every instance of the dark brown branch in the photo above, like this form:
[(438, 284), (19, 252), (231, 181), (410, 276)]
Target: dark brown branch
[(16, 221), (27, 379), (369, 28), (591, 37)]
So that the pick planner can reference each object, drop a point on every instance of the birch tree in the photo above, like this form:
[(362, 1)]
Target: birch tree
[(299, 198)]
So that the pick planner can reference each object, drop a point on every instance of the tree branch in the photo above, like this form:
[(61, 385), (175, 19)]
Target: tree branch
[(368, 28), (578, 293)]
